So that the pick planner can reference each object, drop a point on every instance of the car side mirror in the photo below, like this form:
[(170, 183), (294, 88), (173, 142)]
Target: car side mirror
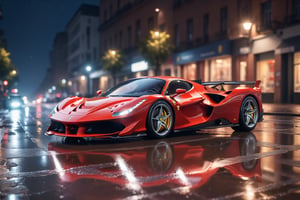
[(180, 91), (99, 92)]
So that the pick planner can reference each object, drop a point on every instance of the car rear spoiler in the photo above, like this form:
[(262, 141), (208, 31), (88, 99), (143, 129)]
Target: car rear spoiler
[(222, 83)]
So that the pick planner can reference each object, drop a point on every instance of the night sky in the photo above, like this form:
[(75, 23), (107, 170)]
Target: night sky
[(29, 28)]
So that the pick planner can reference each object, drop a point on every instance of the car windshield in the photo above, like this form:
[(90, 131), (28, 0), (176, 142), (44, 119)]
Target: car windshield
[(15, 98), (136, 88)]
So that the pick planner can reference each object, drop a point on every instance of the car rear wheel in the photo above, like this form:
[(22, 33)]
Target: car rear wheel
[(249, 114), (160, 120)]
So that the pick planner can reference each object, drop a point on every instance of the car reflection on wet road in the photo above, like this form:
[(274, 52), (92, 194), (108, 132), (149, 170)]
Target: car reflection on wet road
[(207, 164)]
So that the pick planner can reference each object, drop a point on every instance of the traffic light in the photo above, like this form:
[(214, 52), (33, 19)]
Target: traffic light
[(5, 82)]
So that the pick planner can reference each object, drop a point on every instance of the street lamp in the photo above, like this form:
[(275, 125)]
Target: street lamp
[(63, 81), (113, 52), (88, 68), (13, 72), (247, 25)]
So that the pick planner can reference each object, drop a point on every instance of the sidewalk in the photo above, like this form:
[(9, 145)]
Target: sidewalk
[(281, 109)]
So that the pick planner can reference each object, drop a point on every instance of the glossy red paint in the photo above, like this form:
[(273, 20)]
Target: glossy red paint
[(196, 107)]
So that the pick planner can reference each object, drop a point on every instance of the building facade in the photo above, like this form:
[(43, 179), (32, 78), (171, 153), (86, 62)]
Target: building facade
[(214, 40), (83, 48)]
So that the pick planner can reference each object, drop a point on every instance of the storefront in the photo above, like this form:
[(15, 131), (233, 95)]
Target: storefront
[(288, 53), (266, 66), (212, 62)]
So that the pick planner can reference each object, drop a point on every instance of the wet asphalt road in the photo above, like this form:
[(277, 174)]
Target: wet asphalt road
[(208, 164)]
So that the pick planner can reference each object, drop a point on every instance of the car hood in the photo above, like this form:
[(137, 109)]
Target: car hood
[(100, 105)]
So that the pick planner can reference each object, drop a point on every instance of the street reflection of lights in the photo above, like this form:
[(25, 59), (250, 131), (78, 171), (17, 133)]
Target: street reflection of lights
[(15, 116), (249, 192), (38, 113), (12, 197), (58, 167), (39, 127), (182, 177), (26, 111), (44, 160), (133, 183)]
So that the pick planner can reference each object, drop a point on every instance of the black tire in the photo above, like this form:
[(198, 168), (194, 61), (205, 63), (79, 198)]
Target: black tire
[(249, 115), (160, 120)]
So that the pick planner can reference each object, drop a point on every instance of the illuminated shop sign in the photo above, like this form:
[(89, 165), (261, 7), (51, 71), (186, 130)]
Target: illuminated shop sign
[(139, 66), (203, 52)]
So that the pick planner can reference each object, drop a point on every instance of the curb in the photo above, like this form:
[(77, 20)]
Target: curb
[(282, 114)]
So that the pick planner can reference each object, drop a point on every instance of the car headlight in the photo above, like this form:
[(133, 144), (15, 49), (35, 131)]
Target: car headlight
[(54, 110), (15, 104), (127, 111)]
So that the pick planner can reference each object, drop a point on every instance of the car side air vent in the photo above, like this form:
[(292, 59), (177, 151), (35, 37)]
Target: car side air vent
[(215, 97)]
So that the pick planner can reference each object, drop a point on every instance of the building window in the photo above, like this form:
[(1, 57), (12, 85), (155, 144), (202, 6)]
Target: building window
[(176, 36), (266, 15), (189, 71), (218, 69), (224, 17), (296, 9), (265, 73), (137, 31), (88, 37), (120, 39), (150, 23), (105, 15), (297, 72), (110, 10), (243, 70), (205, 27), (118, 4), (190, 29), (129, 40)]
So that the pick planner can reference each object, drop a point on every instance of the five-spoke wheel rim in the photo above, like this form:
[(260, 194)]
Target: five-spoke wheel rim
[(161, 119), (250, 113)]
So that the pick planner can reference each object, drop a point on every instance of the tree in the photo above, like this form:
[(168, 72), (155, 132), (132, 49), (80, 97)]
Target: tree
[(7, 69), (113, 62), (156, 49)]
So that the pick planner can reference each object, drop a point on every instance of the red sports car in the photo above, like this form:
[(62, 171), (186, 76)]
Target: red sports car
[(158, 106)]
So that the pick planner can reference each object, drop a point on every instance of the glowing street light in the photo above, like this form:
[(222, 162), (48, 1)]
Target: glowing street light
[(247, 25), (63, 81), (88, 68), (13, 72), (113, 52)]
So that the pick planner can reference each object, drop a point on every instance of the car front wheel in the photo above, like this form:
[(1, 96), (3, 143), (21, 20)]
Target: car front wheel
[(160, 120)]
